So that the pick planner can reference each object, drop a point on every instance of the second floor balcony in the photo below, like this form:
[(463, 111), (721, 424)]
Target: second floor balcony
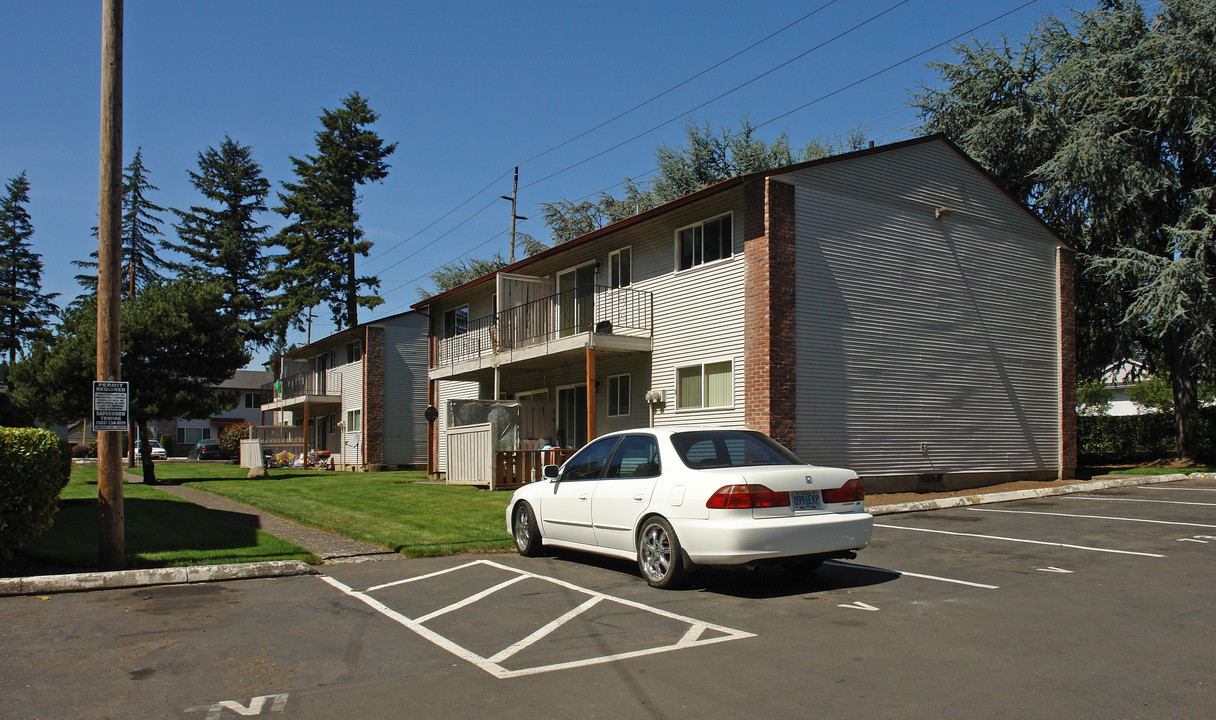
[(310, 387), (615, 319)]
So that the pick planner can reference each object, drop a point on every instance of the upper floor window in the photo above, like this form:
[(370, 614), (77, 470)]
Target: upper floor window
[(704, 242), (253, 400), (456, 321), (354, 351), (620, 268)]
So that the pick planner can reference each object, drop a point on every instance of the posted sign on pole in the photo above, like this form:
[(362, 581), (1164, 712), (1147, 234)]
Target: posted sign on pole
[(110, 406)]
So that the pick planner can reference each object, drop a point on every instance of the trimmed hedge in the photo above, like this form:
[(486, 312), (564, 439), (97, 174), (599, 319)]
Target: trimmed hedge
[(34, 468), (1104, 438)]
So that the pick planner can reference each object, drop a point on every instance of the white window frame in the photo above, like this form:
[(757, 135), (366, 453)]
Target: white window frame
[(354, 420), (628, 395), (704, 390), (527, 395), (456, 330), (614, 280), (702, 223)]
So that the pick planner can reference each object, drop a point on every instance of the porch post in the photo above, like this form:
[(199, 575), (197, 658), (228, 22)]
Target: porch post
[(590, 393), (305, 449), (431, 439)]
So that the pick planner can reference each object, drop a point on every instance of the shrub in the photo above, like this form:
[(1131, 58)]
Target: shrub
[(1104, 438), (231, 437), (34, 468)]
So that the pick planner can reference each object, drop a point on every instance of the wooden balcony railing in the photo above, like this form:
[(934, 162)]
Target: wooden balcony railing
[(513, 468)]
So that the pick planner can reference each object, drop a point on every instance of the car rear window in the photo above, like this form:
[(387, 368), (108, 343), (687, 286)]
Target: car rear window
[(730, 448)]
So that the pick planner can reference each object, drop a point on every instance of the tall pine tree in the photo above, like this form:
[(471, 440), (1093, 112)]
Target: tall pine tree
[(142, 238), (24, 308), (323, 236), (224, 242)]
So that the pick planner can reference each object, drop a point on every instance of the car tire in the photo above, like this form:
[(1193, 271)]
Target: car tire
[(659, 557), (526, 530)]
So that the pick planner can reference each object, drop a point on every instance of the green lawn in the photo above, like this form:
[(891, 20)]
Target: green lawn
[(1161, 470), (160, 531), (391, 509)]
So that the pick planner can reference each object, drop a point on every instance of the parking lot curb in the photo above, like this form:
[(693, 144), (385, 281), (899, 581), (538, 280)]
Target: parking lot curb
[(984, 499), (78, 582)]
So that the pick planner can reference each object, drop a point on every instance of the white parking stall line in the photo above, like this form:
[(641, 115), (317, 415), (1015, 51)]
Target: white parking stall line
[(470, 599), (1173, 487), (1142, 500), (546, 630), (1021, 540), (938, 578), (691, 638), (1093, 517)]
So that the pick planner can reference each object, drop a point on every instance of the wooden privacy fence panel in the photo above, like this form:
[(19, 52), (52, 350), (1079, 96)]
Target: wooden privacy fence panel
[(513, 468), (471, 455)]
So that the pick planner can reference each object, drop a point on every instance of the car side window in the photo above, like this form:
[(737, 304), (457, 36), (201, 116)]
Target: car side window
[(590, 462), (637, 456)]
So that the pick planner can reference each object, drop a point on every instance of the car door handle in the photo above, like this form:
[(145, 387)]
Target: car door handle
[(639, 498), (584, 497)]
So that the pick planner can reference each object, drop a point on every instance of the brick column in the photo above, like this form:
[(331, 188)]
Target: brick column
[(1065, 269), (373, 396), (770, 375)]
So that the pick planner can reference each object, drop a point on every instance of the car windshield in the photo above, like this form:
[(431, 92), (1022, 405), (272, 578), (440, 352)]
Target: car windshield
[(730, 448)]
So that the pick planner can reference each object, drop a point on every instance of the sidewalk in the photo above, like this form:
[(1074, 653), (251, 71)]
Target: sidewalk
[(333, 548)]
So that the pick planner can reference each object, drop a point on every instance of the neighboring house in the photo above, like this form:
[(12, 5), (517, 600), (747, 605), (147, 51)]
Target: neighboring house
[(892, 310), (360, 394), (1119, 378), (249, 386)]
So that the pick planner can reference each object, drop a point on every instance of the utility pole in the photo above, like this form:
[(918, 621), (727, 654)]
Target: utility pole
[(514, 217), (111, 543)]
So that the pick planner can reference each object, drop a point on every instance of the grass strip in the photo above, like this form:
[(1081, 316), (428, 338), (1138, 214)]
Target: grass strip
[(391, 509), (160, 530)]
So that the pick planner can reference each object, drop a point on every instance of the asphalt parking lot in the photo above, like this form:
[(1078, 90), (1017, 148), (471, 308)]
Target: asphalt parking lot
[(1097, 605)]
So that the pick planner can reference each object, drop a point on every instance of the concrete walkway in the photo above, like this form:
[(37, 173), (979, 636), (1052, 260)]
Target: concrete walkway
[(330, 547)]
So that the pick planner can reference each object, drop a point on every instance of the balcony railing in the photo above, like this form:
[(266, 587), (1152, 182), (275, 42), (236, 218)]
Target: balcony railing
[(622, 311), (305, 383)]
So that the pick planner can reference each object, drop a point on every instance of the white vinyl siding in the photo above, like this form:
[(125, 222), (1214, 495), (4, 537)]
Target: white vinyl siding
[(449, 390), (347, 444), (924, 345), (698, 313), (405, 390)]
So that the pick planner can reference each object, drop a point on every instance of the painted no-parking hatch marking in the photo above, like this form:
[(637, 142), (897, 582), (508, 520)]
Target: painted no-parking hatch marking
[(696, 634)]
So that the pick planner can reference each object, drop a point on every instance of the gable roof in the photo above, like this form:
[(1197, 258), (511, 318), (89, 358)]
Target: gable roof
[(723, 186)]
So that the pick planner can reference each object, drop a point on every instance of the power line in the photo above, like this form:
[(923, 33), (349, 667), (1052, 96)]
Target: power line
[(766, 122), (616, 117), (722, 95), (682, 83)]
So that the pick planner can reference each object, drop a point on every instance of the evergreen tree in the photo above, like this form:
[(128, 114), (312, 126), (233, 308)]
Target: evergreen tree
[(708, 157), (142, 237), (175, 350), (323, 236), (24, 308), (224, 243), (1107, 126)]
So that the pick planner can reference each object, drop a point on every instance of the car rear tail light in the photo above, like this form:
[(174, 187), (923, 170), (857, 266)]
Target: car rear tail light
[(744, 497), (851, 491)]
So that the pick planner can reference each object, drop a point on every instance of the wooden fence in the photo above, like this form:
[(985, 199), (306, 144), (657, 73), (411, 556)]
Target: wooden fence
[(513, 468)]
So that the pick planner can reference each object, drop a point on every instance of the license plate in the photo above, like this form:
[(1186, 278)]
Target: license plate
[(806, 500)]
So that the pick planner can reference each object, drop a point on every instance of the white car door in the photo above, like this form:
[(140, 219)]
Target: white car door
[(624, 492), (566, 507)]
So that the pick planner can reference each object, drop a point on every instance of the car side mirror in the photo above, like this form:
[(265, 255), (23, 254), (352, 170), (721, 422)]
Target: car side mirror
[(550, 472)]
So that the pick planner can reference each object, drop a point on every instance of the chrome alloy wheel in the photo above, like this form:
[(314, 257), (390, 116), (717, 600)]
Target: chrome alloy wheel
[(656, 552), (522, 520)]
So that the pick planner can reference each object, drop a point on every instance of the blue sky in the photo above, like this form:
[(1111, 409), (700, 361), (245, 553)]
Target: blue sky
[(467, 89)]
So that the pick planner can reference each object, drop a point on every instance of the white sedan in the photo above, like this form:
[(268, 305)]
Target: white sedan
[(158, 452), (675, 499)]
